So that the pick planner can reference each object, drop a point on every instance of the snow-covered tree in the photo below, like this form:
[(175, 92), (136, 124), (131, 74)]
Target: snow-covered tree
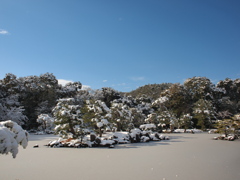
[(152, 118), (186, 121), (10, 109), (98, 113), (107, 95), (137, 117), (67, 118), (204, 112), (229, 125), (231, 88), (124, 113), (69, 90), (230, 101), (12, 135), (177, 99), (46, 122), (100, 123), (198, 87), (38, 95), (167, 119), (117, 116)]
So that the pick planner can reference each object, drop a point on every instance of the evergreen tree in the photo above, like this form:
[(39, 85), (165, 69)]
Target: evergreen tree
[(179, 100), (231, 99), (204, 112), (229, 125), (186, 121), (67, 118)]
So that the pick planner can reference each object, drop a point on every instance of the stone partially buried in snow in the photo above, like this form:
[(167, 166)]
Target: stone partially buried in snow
[(36, 146)]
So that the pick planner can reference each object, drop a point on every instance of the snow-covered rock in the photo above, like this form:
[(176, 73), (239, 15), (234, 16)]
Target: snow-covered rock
[(145, 139), (147, 126)]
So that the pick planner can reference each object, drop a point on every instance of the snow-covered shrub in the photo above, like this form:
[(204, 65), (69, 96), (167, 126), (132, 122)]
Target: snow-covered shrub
[(101, 124), (163, 137), (46, 122), (135, 135), (11, 134), (154, 137), (121, 137), (147, 126), (145, 139), (229, 137)]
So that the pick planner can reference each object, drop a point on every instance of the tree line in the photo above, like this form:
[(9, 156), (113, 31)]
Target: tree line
[(197, 103)]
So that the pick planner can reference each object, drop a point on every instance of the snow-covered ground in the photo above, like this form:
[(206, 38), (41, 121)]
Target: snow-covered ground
[(184, 156)]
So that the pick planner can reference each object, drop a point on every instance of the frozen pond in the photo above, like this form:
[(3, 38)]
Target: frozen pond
[(183, 157)]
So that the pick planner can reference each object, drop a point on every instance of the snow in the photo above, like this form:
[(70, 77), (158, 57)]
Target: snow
[(188, 130), (104, 121), (179, 130), (107, 142), (99, 124), (46, 121), (108, 115), (153, 136), (104, 106), (109, 139), (147, 126), (8, 143), (161, 100), (156, 160), (206, 111), (136, 131), (11, 134), (145, 139)]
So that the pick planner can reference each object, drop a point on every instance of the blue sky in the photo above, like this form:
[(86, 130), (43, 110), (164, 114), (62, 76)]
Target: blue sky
[(121, 44)]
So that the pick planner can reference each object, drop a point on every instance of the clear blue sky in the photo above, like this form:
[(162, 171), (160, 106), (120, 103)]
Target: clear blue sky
[(121, 44)]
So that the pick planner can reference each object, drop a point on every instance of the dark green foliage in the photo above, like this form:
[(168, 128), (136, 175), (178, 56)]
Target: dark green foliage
[(231, 99), (179, 99), (36, 94), (229, 125), (109, 95), (204, 112), (87, 116), (152, 91)]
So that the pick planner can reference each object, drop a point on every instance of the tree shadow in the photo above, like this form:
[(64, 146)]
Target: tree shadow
[(182, 137)]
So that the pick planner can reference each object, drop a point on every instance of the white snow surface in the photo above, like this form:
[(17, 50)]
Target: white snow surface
[(179, 159)]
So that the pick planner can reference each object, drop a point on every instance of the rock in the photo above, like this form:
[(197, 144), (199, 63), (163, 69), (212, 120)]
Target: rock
[(35, 146), (92, 137)]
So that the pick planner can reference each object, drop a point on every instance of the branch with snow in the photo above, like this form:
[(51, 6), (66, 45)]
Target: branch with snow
[(11, 134)]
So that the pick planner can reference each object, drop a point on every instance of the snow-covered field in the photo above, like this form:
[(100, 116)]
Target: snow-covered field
[(185, 156)]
